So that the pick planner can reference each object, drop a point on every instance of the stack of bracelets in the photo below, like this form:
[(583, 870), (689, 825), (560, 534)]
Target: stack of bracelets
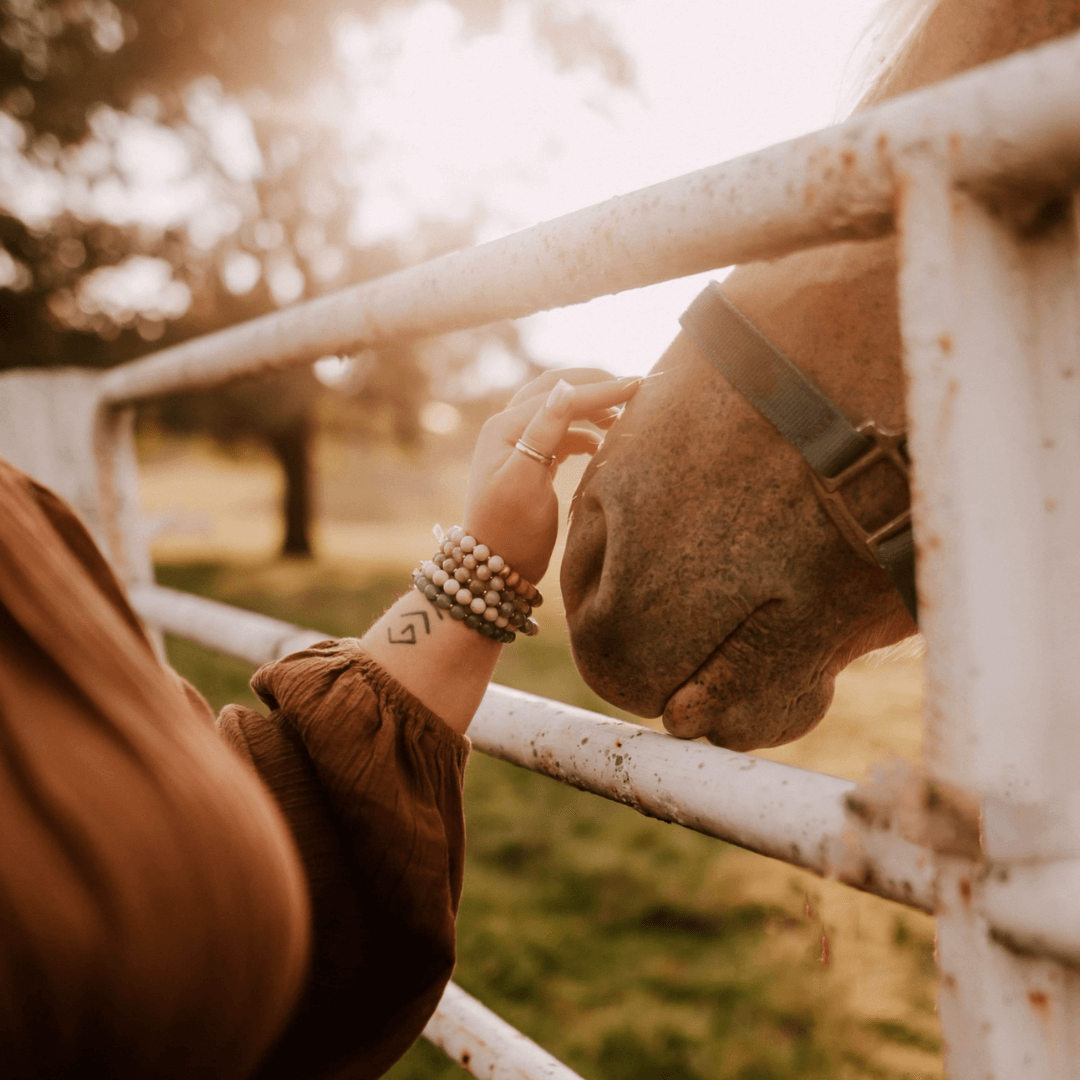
[(464, 578)]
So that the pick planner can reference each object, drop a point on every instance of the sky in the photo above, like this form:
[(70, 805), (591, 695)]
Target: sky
[(459, 123)]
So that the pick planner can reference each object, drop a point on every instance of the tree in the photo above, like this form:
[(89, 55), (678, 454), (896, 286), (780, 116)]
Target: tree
[(91, 91)]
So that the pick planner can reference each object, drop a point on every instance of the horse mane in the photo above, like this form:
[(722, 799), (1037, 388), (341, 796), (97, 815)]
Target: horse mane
[(889, 36)]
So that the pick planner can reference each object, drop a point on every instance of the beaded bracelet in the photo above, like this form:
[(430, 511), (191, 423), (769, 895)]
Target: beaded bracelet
[(478, 588)]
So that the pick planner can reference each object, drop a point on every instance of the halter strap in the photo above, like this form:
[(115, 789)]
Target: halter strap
[(828, 441)]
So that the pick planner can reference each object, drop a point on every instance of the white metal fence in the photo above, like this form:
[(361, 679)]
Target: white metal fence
[(988, 838)]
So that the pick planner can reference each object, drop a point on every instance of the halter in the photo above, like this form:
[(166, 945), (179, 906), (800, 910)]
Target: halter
[(835, 449)]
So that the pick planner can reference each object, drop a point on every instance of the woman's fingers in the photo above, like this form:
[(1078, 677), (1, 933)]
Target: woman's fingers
[(578, 441), (565, 404), (544, 384), (596, 402)]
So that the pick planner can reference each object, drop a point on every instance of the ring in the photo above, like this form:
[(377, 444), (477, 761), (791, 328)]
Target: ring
[(546, 460)]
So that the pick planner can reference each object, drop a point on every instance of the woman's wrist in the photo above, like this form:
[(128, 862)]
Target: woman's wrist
[(439, 660)]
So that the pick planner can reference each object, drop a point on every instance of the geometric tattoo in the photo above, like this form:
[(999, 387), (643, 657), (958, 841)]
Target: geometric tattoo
[(407, 633)]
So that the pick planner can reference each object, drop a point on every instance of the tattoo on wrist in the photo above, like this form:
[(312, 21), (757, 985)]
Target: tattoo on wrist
[(407, 624)]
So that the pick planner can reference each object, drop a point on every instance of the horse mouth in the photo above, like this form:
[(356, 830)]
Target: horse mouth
[(693, 706)]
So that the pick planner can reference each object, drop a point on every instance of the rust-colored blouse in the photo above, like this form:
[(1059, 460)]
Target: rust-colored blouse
[(273, 898)]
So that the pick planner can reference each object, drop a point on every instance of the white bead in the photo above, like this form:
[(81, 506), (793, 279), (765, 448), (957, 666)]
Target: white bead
[(498, 584), (483, 572), (496, 562), (455, 534), (490, 614), (501, 621), (438, 577), (450, 587), (492, 598), (469, 562), (481, 551), (466, 543), (464, 597), (462, 575), (477, 605)]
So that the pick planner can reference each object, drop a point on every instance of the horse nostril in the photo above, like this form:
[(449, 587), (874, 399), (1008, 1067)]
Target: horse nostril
[(586, 545)]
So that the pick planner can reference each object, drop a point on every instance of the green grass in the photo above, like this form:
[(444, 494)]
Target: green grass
[(631, 949)]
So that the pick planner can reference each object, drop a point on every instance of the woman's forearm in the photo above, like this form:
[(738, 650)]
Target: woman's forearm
[(445, 663)]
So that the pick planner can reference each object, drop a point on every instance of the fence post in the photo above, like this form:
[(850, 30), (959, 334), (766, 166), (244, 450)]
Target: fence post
[(54, 427), (989, 310)]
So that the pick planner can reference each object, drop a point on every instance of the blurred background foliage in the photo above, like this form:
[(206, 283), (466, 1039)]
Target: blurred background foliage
[(171, 167)]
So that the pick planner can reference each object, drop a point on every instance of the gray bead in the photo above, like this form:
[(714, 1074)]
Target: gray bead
[(430, 591), (458, 612), (477, 588), (506, 609), (443, 601), (517, 619), (448, 565), (475, 621)]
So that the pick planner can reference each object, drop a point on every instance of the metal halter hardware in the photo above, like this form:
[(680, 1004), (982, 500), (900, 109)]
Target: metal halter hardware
[(887, 446), (836, 451)]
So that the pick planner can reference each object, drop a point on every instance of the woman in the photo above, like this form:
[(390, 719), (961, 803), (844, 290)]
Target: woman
[(173, 907)]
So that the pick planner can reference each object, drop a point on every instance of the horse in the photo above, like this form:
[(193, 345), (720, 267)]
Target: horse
[(704, 579)]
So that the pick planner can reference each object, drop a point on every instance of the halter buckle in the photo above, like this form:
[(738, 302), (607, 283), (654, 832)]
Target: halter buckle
[(886, 446)]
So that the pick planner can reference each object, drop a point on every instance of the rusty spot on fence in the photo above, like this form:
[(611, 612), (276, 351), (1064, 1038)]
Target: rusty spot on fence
[(965, 890), (933, 541), (1067, 373), (618, 742), (1050, 504), (946, 344), (882, 143), (848, 159), (948, 981), (466, 1057), (809, 195), (1039, 1000)]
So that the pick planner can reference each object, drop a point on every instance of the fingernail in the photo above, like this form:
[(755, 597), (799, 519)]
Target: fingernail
[(560, 397)]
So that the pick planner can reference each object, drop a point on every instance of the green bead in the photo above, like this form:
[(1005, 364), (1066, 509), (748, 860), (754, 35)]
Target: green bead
[(473, 620), (443, 601)]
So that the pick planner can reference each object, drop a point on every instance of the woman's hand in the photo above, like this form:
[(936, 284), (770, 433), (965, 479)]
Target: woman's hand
[(511, 504), (511, 507)]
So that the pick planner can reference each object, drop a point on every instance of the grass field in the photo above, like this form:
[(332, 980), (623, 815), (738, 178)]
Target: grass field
[(631, 949)]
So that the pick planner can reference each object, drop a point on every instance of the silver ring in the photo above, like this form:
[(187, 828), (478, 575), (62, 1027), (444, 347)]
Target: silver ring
[(547, 460)]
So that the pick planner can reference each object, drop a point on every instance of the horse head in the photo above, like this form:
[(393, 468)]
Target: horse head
[(703, 579)]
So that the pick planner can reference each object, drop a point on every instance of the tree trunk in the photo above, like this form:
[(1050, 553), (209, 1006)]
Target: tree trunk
[(292, 447)]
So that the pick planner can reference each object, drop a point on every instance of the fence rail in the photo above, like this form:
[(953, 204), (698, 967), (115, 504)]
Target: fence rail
[(1012, 125)]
